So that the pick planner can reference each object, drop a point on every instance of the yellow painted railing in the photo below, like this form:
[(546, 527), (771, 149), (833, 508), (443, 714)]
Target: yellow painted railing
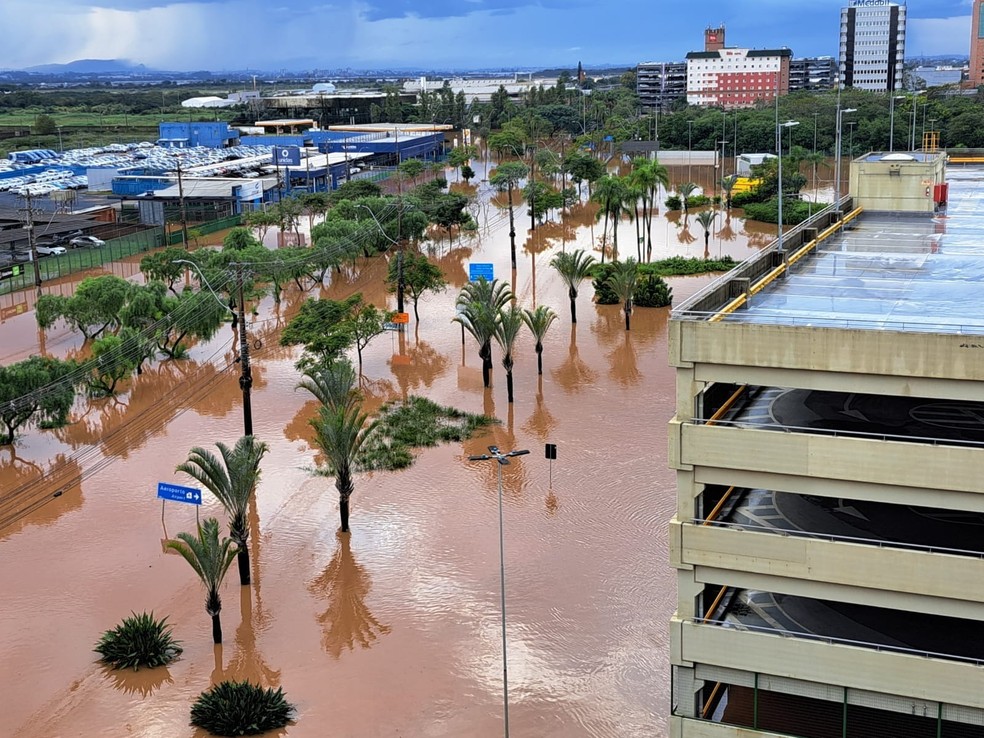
[(781, 269)]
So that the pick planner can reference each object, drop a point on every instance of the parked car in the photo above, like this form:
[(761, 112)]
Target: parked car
[(50, 250), (86, 241)]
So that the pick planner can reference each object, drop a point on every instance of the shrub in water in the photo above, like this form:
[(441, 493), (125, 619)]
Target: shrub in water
[(240, 708), (140, 640)]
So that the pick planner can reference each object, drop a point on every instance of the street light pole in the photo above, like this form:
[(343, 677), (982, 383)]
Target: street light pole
[(690, 139), (837, 160), (246, 374), (503, 459), (787, 124), (891, 119)]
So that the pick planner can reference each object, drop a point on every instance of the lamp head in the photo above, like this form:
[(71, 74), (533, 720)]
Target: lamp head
[(849, 110)]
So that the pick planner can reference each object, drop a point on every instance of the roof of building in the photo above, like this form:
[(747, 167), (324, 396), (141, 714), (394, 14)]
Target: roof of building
[(750, 53), (890, 272)]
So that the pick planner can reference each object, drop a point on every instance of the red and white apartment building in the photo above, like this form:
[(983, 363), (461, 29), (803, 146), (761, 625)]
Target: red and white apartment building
[(730, 77)]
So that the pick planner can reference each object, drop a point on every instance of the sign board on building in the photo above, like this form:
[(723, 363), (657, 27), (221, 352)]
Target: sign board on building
[(178, 493), (477, 271), (287, 156), (249, 191)]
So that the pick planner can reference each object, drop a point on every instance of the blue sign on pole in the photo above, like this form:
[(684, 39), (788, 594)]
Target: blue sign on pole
[(177, 493), (479, 271), (287, 156)]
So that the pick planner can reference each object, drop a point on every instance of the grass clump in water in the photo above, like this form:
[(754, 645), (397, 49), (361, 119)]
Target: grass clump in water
[(140, 640), (416, 423), (241, 708)]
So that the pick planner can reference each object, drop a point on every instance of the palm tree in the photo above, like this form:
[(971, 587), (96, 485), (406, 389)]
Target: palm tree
[(211, 559), (332, 384), (706, 219), (506, 333), (538, 321), (623, 282), (684, 191), (506, 178), (479, 307), (727, 185), (232, 481), (340, 433), (574, 267), (610, 194), (649, 175)]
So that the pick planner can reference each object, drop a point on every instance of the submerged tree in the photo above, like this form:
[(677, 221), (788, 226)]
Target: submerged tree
[(622, 282), (506, 178), (574, 267), (211, 559), (38, 389), (706, 219), (233, 482), (340, 433), (538, 321), (506, 332), (479, 306), (418, 275)]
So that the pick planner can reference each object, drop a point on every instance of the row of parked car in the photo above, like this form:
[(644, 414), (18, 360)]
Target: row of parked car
[(61, 244)]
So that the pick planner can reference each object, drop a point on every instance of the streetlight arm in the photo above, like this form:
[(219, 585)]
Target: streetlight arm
[(201, 276)]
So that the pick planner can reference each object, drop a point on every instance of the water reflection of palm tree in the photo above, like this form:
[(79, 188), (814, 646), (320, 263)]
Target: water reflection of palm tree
[(574, 374), (541, 422), (347, 620), (624, 368), (143, 682)]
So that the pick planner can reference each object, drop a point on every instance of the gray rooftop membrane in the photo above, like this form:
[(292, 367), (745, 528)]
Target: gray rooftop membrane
[(891, 272)]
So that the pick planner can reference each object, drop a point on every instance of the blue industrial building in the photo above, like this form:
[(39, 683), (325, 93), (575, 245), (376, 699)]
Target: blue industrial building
[(387, 147), (184, 135)]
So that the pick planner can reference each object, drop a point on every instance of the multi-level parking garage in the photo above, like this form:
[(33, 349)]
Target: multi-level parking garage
[(829, 447)]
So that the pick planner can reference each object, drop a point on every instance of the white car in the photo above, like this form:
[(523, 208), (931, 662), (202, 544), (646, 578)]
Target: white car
[(50, 250), (83, 241)]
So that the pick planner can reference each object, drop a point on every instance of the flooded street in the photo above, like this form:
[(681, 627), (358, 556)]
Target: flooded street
[(395, 629)]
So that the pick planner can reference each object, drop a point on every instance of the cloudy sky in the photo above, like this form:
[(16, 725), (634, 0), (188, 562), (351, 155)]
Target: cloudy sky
[(450, 34)]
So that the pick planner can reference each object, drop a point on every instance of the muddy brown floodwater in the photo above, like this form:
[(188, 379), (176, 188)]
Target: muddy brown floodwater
[(394, 630)]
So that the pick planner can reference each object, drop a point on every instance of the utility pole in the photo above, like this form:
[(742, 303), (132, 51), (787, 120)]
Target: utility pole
[(29, 212), (400, 283), (246, 377), (181, 201)]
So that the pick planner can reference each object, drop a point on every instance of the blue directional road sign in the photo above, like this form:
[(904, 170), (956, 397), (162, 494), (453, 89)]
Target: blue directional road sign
[(287, 156), (177, 493), (478, 271)]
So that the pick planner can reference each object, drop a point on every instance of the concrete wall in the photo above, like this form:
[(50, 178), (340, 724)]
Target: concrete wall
[(909, 675)]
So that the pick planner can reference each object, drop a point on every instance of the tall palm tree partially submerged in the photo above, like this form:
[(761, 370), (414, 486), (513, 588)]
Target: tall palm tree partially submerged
[(623, 283), (574, 267), (232, 481), (341, 428), (211, 559), (538, 321), (479, 307), (649, 175), (611, 194), (685, 191), (506, 333), (706, 219)]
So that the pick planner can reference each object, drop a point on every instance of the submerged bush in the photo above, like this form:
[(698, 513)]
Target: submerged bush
[(140, 640), (240, 708)]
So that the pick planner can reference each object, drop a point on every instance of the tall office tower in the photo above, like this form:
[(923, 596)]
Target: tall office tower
[(872, 45), (977, 44), (713, 39)]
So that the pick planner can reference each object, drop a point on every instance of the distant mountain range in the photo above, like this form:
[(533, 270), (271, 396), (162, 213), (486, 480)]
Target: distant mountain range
[(90, 66)]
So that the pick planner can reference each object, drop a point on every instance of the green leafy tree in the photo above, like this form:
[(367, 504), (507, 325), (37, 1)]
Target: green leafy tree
[(39, 390), (541, 198), (320, 327), (583, 167), (191, 315), (479, 309), (355, 189), (506, 178), (162, 267), (539, 321), (507, 142), (461, 155), (115, 358), (623, 283), (210, 558), (261, 220), (419, 276), (449, 211), (574, 267), (45, 125), (233, 482), (95, 307), (467, 173), (239, 239), (411, 169), (365, 322)]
